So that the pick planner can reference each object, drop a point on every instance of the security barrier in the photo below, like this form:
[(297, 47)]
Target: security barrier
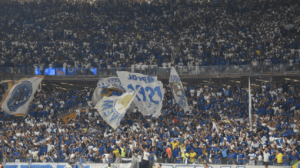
[(62, 165), (166, 165)]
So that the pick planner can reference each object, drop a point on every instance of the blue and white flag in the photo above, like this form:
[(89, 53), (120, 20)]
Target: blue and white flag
[(18, 97), (107, 87), (71, 71), (278, 142), (150, 95), (178, 91), (112, 109)]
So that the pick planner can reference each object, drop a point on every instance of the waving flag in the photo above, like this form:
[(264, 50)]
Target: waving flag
[(18, 97), (71, 71), (97, 96), (112, 109), (178, 91), (107, 87), (149, 98), (295, 164), (4, 87)]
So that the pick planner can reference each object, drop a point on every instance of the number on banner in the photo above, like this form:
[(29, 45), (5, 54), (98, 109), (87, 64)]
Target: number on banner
[(143, 93)]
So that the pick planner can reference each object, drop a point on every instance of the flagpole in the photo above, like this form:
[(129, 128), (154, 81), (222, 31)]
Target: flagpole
[(250, 115)]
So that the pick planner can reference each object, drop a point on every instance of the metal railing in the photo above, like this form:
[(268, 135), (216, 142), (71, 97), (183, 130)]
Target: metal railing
[(220, 161), (212, 70)]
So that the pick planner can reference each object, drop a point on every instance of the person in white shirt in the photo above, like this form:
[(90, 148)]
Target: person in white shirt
[(146, 158), (77, 112), (266, 156), (105, 157), (69, 165), (252, 157), (259, 158)]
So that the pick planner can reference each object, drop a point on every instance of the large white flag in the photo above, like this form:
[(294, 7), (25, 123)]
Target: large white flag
[(107, 87), (150, 92), (112, 109), (18, 97), (178, 91)]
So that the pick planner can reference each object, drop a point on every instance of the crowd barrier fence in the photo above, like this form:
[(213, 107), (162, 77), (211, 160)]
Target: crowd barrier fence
[(165, 165), (213, 70)]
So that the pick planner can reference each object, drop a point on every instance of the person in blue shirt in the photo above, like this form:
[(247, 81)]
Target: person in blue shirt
[(240, 157), (151, 157), (178, 157), (285, 159), (231, 157), (61, 157), (175, 152), (294, 157), (272, 157), (218, 158), (45, 113), (245, 161), (224, 155), (90, 156), (16, 154)]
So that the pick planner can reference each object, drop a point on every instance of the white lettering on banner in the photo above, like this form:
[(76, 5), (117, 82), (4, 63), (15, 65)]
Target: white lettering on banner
[(150, 95), (178, 91), (148, 79), (167, 165), (106, 81)]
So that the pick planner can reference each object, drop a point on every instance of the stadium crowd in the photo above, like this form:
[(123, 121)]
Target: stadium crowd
[(143, 35), (215, 130)]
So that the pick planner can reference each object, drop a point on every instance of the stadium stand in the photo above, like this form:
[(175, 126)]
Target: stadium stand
[(215, 129), (142, 35)]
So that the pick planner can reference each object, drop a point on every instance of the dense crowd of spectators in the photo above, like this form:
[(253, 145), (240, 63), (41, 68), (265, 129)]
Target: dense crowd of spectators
[(216, 129), (142, 35)]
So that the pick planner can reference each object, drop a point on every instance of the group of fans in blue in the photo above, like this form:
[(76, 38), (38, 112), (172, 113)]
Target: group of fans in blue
[(144, 36), (215, 130)]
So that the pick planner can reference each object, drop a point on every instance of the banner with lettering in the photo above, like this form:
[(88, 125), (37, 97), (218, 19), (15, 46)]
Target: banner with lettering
[(112, 109), (107, 87), (178, 91), (150, 92)]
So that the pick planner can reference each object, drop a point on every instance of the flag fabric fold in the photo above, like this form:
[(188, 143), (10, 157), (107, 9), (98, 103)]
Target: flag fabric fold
[(150, 95), (4, 87), (107, 87), (112, 109), (18, 97), (295, 164), (178, 91)]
